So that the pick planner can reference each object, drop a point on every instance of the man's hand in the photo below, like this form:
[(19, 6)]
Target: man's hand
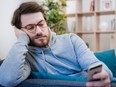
[(103, 82), (18, 32)]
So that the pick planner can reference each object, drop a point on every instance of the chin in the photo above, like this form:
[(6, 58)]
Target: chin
[(41, 44)]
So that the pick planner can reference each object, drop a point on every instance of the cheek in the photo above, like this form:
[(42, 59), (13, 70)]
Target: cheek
[(30, 35), (47, 32), (25, 32)]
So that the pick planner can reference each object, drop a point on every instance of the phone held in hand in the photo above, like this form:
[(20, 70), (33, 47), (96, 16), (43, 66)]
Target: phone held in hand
[(93, 69)]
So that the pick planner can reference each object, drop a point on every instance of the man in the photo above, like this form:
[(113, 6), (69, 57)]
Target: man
[(40, 50)]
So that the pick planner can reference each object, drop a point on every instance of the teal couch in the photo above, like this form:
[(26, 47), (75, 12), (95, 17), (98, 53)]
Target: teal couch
[(48, 80), (108, 57)]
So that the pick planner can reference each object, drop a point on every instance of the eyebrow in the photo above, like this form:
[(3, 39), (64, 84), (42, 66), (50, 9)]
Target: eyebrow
[(37, 23), (40, 21)]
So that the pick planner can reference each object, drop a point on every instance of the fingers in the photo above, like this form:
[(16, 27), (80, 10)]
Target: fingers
[(18, 32), (101, 83), (102, 75)]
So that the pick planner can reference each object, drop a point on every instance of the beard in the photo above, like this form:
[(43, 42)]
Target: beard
[(39, 40)]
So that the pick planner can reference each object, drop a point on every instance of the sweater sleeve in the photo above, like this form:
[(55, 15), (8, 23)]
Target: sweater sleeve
[(15, 68), (85, 57)]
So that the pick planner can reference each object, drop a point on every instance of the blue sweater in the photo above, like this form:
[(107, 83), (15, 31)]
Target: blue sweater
[(65, 55)]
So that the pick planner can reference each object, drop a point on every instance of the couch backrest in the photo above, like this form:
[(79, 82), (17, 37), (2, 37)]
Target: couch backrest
[(108, 57)]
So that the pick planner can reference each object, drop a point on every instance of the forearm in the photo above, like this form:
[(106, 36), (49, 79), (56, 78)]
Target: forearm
[(15, 69), (85, 57)]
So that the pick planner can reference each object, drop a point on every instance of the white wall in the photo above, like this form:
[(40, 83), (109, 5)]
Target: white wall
[(7, 35)]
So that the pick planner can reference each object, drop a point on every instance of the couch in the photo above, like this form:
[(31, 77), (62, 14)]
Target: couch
[(108, 57)]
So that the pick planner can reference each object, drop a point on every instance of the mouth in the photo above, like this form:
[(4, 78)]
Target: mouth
[(40, 38)]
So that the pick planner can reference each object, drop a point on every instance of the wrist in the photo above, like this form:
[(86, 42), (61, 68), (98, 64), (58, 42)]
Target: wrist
[(24, 38)]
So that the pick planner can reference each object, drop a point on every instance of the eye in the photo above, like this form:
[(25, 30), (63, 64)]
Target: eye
[(30, 27), (42, 24)]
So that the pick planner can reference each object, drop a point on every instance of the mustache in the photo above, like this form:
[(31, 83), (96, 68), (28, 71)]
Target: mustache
[(39, 36)]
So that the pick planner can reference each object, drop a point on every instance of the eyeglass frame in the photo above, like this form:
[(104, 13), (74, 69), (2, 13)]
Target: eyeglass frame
[(35, 26)]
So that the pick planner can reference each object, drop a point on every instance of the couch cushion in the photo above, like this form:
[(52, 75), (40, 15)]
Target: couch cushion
[(37, 75), (108, 57)]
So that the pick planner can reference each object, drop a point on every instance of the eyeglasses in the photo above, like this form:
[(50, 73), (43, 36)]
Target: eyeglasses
[(31, 28)]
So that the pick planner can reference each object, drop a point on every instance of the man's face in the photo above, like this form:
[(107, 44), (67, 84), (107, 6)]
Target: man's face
[(36, 27)]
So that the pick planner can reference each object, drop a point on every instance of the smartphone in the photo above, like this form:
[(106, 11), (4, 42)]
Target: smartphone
[(93, 69)]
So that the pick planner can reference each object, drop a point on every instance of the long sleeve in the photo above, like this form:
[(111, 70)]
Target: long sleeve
[(84, 56), (15, 68)]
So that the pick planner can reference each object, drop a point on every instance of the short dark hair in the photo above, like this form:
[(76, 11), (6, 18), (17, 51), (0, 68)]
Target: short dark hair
[(26, 8)]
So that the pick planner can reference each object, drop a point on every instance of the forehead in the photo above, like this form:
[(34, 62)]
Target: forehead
[(31, 18)]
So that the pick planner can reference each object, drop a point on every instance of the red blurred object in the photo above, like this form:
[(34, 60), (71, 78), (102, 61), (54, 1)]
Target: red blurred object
[(92, 4)]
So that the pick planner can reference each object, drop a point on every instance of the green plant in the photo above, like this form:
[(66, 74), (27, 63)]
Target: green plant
[(55, 14)]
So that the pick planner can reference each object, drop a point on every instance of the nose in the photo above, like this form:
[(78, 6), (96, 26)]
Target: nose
[(38, 30)]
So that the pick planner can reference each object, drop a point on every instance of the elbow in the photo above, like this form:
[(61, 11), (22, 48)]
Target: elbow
[(9, 82)]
